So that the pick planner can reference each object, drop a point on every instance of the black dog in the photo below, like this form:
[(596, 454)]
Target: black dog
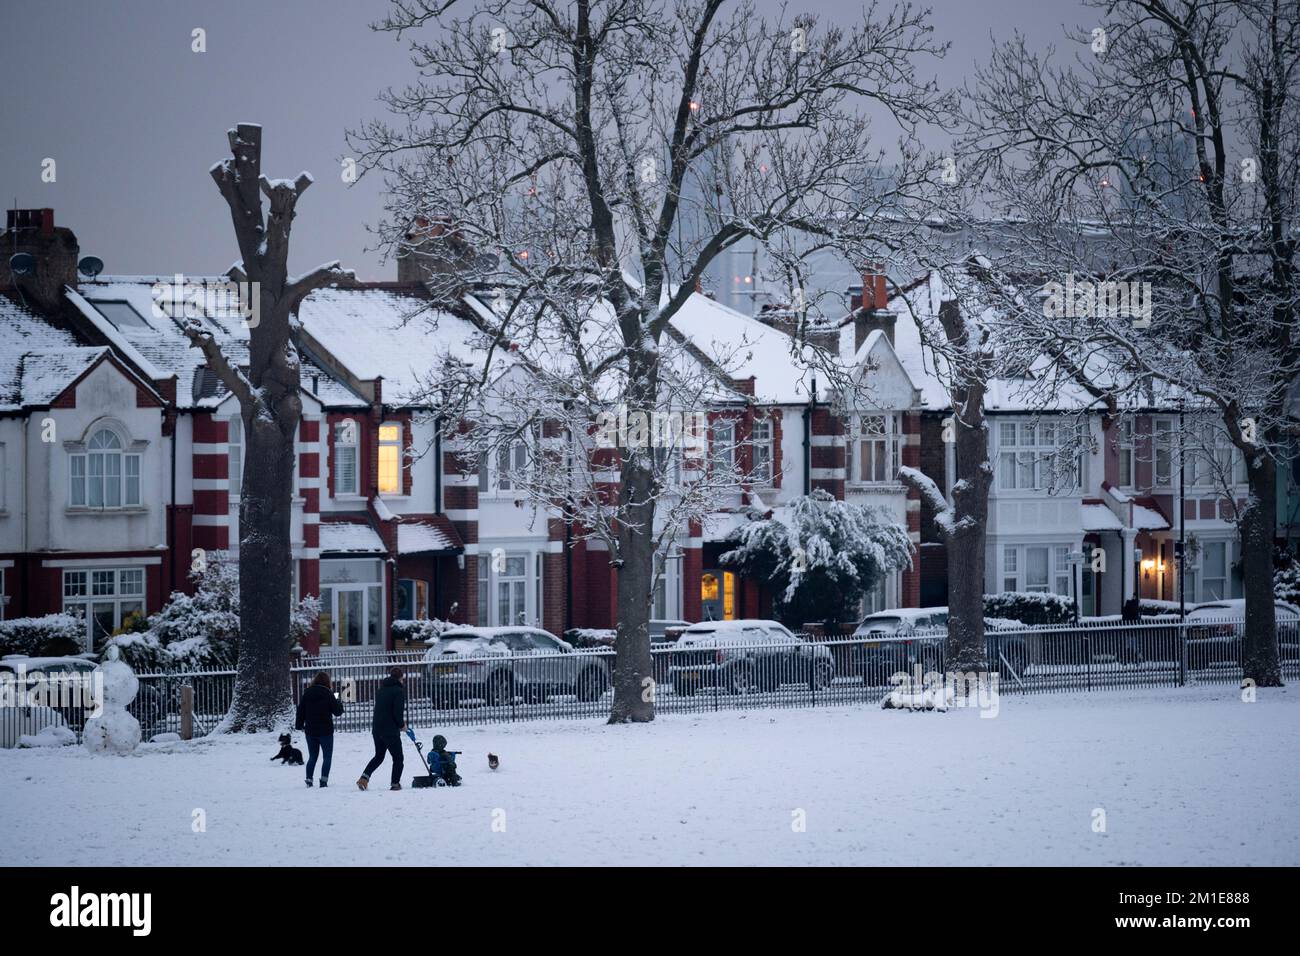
[(288, 753)]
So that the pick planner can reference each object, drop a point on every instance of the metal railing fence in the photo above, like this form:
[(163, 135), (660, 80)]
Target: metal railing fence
[(718, 674)]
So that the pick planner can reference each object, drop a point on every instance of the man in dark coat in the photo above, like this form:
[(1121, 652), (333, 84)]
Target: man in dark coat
[(316, 712), (386, 728)]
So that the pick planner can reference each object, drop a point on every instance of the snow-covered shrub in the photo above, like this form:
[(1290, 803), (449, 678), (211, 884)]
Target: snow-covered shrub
[(1030, 607), (53, 635), (1286, 583), (419, 631), (583, 637), (822, 558), (200, 631)]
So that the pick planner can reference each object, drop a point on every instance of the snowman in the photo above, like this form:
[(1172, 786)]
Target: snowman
[(115, 730)]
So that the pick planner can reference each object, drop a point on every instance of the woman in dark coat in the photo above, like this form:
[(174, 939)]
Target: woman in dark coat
[(316, 712)]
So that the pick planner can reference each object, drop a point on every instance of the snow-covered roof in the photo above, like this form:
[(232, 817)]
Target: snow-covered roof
[(916, 305), (418, 537), (745, 347), (338, 537), (1148, 519), (1097, 517), (23, 335), (125, 311), (391, 333)]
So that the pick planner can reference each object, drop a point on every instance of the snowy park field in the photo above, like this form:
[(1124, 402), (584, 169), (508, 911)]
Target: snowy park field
[(1185, 777)]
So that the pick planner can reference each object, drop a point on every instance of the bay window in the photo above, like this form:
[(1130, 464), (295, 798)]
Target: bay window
[(105, 599), (1039, 568), (1033, 457)]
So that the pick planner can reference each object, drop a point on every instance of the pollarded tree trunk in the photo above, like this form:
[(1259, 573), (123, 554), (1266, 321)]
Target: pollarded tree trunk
[(1257, 524), (966, 531), (633, 694), (271, 406), (964, 649)]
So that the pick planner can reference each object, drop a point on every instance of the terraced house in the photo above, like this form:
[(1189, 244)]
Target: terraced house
[(121, 456)]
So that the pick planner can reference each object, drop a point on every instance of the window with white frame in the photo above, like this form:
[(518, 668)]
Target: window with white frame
[(761, 440), (507, 468), (1031, 457), (724, 443), (235, 455), (1214, 571), (4, 595), (1215, 460), (104, 598), (874, 449), (1124, 444), (346, 455), (1163, 451), (104, 474), (390, 458), (668, 465), (1040, 568), (511, 589)]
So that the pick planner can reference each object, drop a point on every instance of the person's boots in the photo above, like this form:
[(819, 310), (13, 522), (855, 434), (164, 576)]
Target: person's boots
[(309, 782), (324, 783), (396, 786), (363, 782)]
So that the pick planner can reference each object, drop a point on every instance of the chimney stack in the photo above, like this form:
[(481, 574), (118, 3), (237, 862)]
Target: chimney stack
[(55, 250), (870, 306)]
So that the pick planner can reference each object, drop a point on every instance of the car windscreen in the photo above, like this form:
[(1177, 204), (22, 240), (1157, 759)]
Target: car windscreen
[(885, 624)]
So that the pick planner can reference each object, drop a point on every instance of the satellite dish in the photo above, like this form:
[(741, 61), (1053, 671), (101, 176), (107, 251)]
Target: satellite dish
[(90, 266), (22, 264)]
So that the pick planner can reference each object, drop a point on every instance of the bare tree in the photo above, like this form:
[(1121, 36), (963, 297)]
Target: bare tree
[(270, 406), (610, 150), (1166, 156)]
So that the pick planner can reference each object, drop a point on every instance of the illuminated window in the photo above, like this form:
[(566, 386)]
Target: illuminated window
[(728, 596), (709, 587), (390, 459)]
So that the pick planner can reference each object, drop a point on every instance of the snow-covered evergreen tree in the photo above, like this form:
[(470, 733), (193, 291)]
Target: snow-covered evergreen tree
[(822, 557)]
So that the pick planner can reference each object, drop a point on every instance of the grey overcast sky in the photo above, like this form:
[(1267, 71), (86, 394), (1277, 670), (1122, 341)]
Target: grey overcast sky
[(111, 90)]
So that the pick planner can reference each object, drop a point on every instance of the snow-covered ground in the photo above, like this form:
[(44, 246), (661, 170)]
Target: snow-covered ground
[(1184, 776)]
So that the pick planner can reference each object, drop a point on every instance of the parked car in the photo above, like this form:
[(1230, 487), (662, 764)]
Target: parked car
[(745, 657), (888, 642), (1215, 629), (65, 706), (667, 632), (897, 640), (500, 664)]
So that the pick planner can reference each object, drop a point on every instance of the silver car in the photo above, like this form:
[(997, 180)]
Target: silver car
[(745, 657), (499, 665)]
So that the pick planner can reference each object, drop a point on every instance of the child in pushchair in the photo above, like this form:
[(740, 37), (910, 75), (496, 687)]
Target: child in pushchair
[(442, 764)]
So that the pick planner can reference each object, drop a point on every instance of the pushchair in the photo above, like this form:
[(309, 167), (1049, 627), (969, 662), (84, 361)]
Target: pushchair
[(441, 765)]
